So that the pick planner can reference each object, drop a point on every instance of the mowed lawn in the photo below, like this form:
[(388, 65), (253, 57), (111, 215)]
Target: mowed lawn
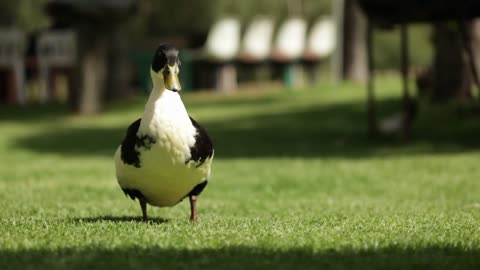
[(296, 184)]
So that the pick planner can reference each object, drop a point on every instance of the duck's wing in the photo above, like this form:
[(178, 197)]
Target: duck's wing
[(129, 153), (203, 147)]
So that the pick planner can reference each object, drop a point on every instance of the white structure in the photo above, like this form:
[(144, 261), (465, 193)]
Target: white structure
[(55, 49), (321, 39), (223, 40), (290, 39), (257, 40), (221, 47), (12, 52)]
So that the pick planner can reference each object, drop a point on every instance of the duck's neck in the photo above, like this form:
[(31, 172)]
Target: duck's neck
[(164, 108), (151, 108), (157, 92)]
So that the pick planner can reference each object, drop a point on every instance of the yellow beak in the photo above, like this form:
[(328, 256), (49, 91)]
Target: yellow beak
[(170, 78)]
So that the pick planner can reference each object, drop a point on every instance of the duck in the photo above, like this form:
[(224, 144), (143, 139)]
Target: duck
[(166, 155)]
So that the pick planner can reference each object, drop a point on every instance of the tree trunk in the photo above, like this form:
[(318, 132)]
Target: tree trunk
[(8, 13), (475, 43), (451, 71), (118, 67), (354, 59), (88, 76)]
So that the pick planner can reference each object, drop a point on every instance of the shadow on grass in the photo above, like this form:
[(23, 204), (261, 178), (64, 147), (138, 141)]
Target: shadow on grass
[(49, 112), (220, 101), (240, 257), (119, 219), (74, 141), (333, 131), (33, 112)]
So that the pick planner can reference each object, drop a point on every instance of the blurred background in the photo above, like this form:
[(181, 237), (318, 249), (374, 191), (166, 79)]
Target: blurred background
[(86, 54)]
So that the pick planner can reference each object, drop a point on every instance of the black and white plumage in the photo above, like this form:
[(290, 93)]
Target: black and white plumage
[(165, 155)]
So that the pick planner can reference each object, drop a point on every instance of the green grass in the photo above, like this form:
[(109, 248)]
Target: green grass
[(296, 184)]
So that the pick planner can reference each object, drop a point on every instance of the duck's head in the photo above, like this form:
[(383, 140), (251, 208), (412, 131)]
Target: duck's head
[(165, 67)]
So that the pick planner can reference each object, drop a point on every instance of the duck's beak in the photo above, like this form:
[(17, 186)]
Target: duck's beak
[(170, 77)]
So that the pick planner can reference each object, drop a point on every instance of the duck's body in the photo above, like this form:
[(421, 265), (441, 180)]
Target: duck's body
[(166, 155)]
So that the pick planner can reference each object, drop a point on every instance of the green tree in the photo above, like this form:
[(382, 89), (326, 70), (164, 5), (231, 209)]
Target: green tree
[(28, 15)]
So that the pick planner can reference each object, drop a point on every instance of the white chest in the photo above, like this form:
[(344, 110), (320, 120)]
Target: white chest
[(166, 120)]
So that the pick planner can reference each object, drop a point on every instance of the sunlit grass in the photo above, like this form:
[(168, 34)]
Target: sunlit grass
[(296, 184)]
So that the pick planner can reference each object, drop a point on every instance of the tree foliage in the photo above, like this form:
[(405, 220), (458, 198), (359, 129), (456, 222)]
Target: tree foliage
[(164, 17), (25, 14), (186, 17)]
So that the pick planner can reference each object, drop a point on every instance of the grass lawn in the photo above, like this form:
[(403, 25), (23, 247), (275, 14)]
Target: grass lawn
[(296, 184)]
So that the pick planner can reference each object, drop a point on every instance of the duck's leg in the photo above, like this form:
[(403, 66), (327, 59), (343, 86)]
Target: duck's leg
[(143, 204), (193, 208)]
